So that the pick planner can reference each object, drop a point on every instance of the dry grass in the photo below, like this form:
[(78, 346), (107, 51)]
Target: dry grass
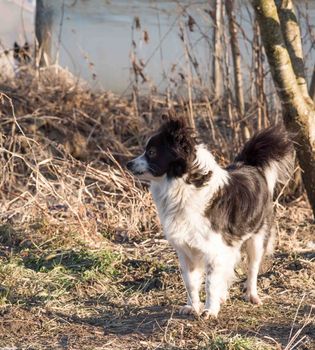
[(83, 262)]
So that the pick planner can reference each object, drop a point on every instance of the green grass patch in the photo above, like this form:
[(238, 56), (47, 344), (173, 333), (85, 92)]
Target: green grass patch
[(73, 261), (237, 342), (34, 277)]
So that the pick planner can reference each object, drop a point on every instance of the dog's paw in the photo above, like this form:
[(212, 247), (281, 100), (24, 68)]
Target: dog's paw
[(190, 310), (207, 314), (254, 299)]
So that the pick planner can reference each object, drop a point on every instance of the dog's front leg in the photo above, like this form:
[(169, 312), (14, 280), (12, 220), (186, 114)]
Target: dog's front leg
[(192, 268)]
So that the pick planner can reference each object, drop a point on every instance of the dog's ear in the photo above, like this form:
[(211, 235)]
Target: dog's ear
[(181, 138), (181, 141), (176, 129)]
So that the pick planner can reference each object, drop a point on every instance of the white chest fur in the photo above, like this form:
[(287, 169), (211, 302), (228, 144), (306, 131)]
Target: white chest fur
[(179, 212)]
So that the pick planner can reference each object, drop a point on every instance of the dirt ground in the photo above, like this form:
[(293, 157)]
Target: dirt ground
[(125, 295)]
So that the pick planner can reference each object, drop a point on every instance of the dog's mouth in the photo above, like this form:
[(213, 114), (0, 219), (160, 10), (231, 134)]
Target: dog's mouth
[(144, 175), (135, 172)]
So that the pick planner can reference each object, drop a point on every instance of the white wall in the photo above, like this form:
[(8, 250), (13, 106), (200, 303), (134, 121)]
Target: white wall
[(96, 39)]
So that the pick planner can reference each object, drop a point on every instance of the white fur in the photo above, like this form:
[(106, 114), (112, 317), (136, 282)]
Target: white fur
[(271, 174), (279, 171), (141, 164), (255, 253)]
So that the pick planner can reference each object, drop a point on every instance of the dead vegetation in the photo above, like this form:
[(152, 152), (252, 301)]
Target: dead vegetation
[(83, 262)]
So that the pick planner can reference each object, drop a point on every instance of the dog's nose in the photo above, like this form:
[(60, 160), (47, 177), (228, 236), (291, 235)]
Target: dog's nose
[(129, 165)]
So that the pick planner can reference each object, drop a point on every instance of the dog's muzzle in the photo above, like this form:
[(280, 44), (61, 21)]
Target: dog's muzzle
[(138, 166), (131, 167)]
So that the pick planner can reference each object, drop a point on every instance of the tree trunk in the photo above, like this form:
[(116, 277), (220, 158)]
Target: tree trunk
[(217, 56), (236, 56), (262, 112), (312, 86), (43, 24), (292, 37), (298, 113)]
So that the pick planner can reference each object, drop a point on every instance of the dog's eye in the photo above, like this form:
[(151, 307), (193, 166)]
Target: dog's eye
[(151, 152)]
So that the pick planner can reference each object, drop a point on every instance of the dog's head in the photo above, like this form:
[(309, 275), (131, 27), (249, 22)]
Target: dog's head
[(170, 152)]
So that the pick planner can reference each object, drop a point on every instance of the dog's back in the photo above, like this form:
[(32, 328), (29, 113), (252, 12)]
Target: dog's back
[(244, 205)]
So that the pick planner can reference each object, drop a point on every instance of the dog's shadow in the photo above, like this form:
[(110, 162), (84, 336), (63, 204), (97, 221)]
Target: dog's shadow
[(123, 319), (146, 321)]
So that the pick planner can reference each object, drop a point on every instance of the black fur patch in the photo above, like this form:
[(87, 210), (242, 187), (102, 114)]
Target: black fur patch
[(243, 206), (180, 138)]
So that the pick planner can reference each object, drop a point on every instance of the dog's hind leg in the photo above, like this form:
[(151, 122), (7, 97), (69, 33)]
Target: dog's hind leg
[(192, 267), (255, 249), (219, 275)]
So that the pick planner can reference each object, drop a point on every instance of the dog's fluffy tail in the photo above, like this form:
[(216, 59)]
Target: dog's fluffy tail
[(272, 151)]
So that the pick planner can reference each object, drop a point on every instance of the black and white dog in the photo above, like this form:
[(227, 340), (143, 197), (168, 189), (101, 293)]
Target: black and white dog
[(209, 212)]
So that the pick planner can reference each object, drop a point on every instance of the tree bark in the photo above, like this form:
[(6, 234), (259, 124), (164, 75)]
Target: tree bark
[(262, 112), (43, 25), (312, 86), (298, 114), (236, 56), (292, 37), (217, 57)]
